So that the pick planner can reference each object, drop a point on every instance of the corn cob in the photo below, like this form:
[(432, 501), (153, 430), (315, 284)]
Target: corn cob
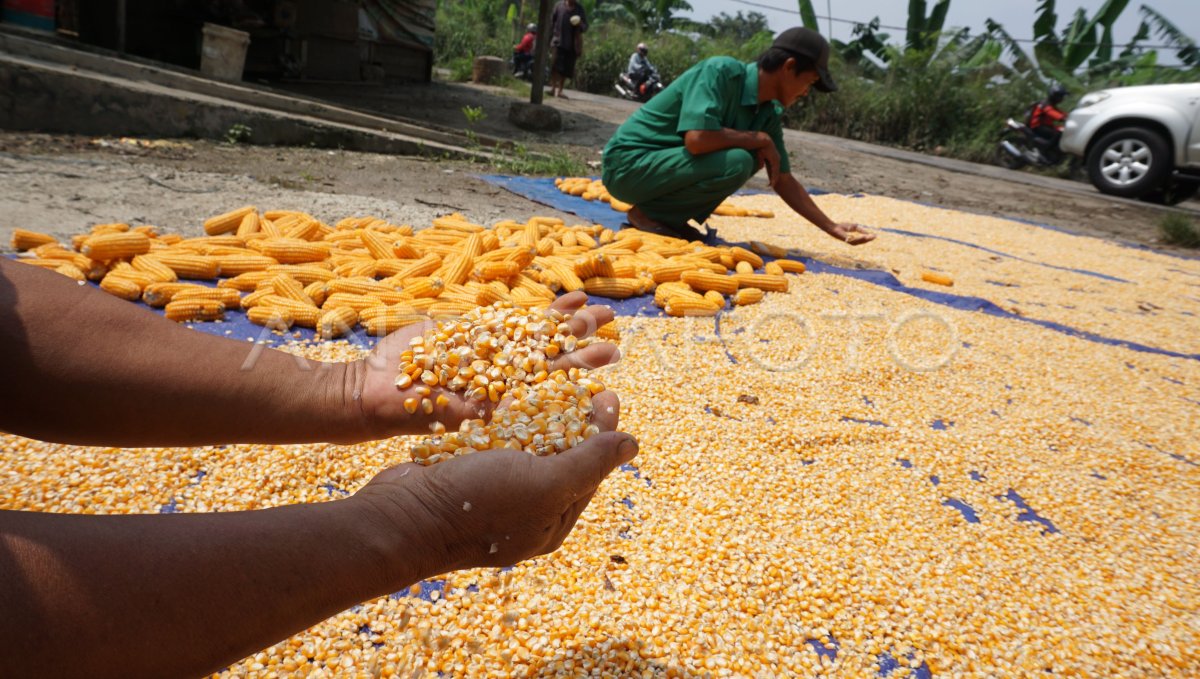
[(317, 291), (246, 282), (772, 268), (267, 226), (353, 301), (715, 298), (27, 240), (671, 270), (741, 254), (50, 264), (745, 267), (248, 225), (616, 288), (302, 314), (727, 261), (388, 322), (226, 296), (109, 228), (159, 271), (286, 286), (790, 265), (170, 238), (746, 296), (449, 309), (608, 331), (271, 317), (70, 271), (116, 245), (227, 222), (492, 270), (376, 245), (195, 310), (687, 306), (190, 266), (421, 267), (158, 294), (233, 265), (492, 293), (566, 276), (121, 286), (704, 281), (424, 287), (256, 298), (673, 289), (336, 322), (305, 273), (305, 230), (294, 250), (762, 281)]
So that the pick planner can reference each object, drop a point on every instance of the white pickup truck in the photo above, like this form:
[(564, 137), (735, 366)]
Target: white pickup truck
[(1139, 142)]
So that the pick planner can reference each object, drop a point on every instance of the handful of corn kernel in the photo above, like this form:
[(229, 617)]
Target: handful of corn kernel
[(495, 353)]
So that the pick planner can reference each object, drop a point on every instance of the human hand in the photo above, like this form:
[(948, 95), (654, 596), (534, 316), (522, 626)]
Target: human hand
[(492, 508), (381, 403), (851, 234), (768, 156)]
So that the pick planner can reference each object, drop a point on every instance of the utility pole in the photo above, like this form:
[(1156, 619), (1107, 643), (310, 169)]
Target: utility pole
[(829, 16), (539, 59)]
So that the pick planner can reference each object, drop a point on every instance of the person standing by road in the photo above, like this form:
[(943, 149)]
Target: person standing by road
[(568, 23)]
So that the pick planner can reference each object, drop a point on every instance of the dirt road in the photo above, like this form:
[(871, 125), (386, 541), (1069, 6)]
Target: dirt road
[(64, 183)]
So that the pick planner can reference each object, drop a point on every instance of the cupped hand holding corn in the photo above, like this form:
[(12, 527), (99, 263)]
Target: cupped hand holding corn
[(498, 508), (390, 411)]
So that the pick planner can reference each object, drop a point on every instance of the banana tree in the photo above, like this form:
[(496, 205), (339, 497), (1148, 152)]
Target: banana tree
[(922, 31), (1061, 57), (1185, 48), (808, 16)]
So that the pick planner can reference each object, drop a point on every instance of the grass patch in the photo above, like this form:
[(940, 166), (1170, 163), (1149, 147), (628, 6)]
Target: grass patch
[(556, 163), (1177, 229)]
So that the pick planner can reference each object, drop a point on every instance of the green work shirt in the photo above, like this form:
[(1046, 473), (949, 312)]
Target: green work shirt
[(716, 93)]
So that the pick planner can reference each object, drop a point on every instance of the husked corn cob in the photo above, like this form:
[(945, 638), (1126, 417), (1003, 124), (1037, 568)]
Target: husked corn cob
[(741, 254), (302, 314), (200, 267), (446, 309), (286, 286), (246, 282), (28, 240), (248, 224), (762, 281), (305, 273), (457, 268), (227, 222), (772, 268), (686, 306), (746, 296), (195, 310), (608, 331), (673, 289), (109, 246), (424, 287), (790, 266), (232, 265), (158, 294), (745, 267), (317, 291), (616, 288), (704, 281), (121, 286), (376, 245), (117, 227), (937, 278), (670, 270), (390, 321), (715, 298), (155, 268), (493, 270), (271, 317), (492, 293), (567, 278), (294, 250), (336, 322), (226, 296), (70, 271), (347, 299), (256, 298), (421, 267)]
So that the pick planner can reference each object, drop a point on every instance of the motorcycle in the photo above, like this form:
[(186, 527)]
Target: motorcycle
[(1019, 146), (651, 86)]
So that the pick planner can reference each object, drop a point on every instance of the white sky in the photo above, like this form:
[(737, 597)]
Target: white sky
[(1016, 16)]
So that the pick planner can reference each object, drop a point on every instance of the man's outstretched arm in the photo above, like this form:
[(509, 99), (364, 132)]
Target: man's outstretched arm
[(796, 196)]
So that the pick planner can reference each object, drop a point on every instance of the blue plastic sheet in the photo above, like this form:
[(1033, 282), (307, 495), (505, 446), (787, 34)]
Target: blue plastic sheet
[(542, 190)]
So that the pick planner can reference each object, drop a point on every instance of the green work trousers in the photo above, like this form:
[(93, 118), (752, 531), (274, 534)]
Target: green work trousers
[(672, 185)]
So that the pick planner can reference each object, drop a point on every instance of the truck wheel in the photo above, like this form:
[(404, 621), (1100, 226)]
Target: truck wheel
[(1129, 162)]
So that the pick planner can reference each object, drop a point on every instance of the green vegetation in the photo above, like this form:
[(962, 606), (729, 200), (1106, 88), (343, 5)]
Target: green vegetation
[(935, 87), (1180, 230), (238, 133)]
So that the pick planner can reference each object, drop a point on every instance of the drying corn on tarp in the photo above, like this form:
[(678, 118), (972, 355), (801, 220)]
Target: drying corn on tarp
[(843, 478)]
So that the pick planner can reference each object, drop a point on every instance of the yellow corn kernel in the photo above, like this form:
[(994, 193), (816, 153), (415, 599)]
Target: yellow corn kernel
[(493, 270), (616, 288), (609, 332), (336, 322), (271, 317), (246, 282), (351, 300), (704, 281), (762, 281), (286, 286), (200, 267), (746, 296), (937, 278), (790, 265), (159, 271), (110, 246), (121, 286), (27, 240), (302, 314), (226, 296), (305, 273), (317, 291), (158, 294), (376, 245), (687, 306), (195, 310), (294, 250), (227, 222)]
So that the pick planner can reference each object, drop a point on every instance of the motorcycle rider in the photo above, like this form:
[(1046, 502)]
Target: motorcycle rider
[(640, 70), (1046, 121), (523, 52)]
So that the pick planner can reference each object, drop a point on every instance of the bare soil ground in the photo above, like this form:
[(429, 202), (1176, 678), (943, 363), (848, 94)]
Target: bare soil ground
[(65, 183)]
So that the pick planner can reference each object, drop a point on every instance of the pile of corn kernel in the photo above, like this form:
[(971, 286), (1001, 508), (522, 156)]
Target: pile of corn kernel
[(593, 189), (797, 504), (494, 353), (286, 267)]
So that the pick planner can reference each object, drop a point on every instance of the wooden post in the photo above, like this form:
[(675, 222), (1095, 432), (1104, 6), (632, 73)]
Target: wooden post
[(121, 27), (539, 59)]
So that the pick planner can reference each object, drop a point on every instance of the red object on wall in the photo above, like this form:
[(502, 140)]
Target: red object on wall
[(32, 13), (44, 8)]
